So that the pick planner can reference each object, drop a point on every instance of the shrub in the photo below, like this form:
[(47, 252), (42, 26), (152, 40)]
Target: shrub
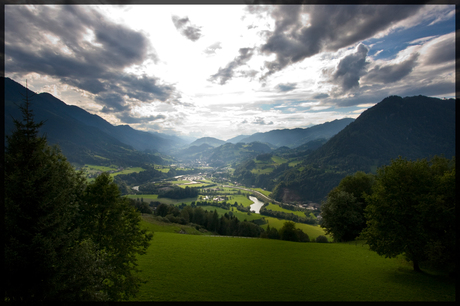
[(302, 236), (322, 239)]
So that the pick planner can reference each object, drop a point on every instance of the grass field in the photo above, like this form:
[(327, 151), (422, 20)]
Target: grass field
[(130, 170), (146, 197), (264, 192), (312, 231), (203, 268), (239, 214), (275, 207), (93, 169), (192, 185)]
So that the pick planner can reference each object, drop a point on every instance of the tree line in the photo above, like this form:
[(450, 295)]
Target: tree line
[(407, 208), (288, 216), (179, 193), (65, 239), (227, 224)]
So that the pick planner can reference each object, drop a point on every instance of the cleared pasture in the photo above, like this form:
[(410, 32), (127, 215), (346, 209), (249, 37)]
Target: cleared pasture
[(275, 207), (206, 268)]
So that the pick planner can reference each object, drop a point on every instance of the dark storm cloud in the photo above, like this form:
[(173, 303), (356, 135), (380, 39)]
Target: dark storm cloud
[(350, 69), (185, 27), (431, 89), (226, 73), (112, 102), (392, 73), (127, 118), (81, 48), (286, 87), (442, 52), (321, 96), (328, 28)]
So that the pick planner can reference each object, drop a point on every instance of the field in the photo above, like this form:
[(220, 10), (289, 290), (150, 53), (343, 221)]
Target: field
[(274, 207), (146, 197), (312, 231), (113, 170), (204, 268)]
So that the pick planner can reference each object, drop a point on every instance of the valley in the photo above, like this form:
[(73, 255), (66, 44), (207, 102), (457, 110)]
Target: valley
[(195, 195)]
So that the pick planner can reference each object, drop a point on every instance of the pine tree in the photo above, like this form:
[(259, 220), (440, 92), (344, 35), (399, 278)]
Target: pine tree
[(44, 260)]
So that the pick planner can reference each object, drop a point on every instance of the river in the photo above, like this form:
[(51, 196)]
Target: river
[(257, 204)]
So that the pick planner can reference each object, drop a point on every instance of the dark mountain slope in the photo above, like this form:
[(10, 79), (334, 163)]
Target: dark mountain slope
[(80, 142), (413, 127)]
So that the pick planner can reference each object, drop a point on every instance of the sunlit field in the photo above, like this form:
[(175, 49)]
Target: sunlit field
[(181, 267)]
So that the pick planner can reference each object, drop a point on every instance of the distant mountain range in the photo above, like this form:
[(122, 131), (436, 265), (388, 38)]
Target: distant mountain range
[(411, 127), (87, 138), (218, 152), (293, 138)]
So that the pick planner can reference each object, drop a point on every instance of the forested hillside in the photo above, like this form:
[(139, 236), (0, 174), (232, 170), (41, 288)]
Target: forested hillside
[(83, 137), (413, 127)]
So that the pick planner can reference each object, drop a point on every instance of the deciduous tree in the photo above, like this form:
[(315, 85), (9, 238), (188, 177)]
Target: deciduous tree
[(114, 225), (412, 210), (343, 211)]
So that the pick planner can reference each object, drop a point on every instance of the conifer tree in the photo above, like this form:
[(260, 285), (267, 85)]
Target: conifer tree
[(44, 260)]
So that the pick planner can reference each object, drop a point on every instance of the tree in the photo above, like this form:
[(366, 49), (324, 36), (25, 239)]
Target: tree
[(288, 231), (340, 216), (44, 258), (322, 239), (114, 225), (412, 210), (343, 211)]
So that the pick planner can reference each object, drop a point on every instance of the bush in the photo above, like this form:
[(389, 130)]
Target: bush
[(302, 236), (322, 239)]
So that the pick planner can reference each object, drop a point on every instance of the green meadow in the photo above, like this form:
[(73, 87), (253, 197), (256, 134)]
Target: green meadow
[(93, 169), (312, 231), (184, 267), (146, 197), (264, 192), (275, 207)]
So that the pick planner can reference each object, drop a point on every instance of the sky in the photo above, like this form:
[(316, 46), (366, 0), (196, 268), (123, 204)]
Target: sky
[(227, 70)]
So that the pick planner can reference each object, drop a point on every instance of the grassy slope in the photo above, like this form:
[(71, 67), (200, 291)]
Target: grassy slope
[(274, 207), (202, 268)]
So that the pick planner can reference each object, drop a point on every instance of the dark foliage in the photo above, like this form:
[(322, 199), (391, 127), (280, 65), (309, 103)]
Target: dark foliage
[(321, 239), (412, 211), (343, 211), (179, 193)]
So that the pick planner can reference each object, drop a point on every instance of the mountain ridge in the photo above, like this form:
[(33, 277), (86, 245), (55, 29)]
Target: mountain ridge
[(411, 127)]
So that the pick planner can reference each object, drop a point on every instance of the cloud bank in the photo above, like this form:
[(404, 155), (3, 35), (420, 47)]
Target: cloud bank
[(81, 48)]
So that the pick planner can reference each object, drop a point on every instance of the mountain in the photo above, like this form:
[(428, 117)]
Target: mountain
[(229, 153), (83, 137), (201, 152), (411, 127), (214, 142), (237, 138), (295, 137)]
